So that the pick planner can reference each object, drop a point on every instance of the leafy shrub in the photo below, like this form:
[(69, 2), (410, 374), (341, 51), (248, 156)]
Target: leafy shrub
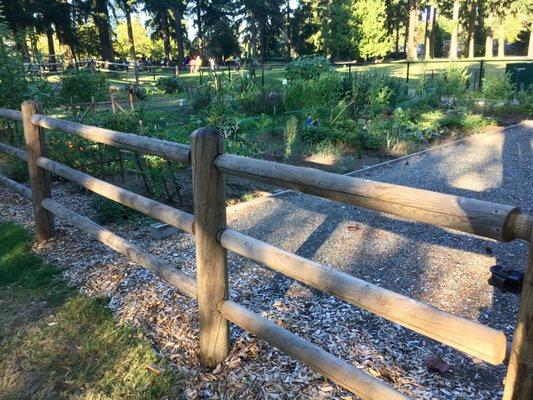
[(318, 134), (16, 170), (169, 84), (289, 135), (498, 87), (308, 67), (526, 102), (223, 118), (459, 118), (122, 122), (40, 90), (80, 85), (200, 97), (12, 75), (373, 91), (240, 84), (452, 82), (261, 102), (321, 92), (350, 132), (108, 211)]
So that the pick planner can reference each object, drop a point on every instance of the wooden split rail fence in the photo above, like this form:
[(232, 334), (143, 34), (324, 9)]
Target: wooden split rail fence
[(213, 239)]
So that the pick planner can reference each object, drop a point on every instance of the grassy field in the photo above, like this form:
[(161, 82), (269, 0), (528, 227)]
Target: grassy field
[(58, 344), (274, 74)]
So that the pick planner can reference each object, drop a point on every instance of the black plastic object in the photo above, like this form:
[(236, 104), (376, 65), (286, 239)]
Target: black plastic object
[(506, 279)]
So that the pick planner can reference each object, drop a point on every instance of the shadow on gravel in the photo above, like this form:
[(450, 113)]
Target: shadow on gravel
[(447, 269)]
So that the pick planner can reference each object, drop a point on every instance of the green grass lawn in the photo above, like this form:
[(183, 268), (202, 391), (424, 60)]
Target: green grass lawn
[(274, 74), (58, 344)]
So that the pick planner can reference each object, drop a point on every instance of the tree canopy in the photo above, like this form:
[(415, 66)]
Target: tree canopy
[(340, 29)]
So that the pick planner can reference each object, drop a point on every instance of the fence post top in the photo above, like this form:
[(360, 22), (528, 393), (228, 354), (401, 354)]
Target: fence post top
[(31, 102), (206, 132)]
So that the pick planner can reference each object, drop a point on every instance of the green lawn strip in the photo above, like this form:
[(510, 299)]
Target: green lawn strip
[(56, 343)]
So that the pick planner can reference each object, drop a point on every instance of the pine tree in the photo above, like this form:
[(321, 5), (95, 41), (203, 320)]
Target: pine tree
[(370, 31)]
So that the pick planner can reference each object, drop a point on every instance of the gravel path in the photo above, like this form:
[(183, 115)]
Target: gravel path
[(437, 266)]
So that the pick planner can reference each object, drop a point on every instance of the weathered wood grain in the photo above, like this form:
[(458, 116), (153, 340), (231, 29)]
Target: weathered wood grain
[(209, 197), (39, 178), (495, 221)]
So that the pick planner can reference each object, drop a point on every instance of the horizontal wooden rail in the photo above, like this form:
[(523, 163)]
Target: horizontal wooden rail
[(462, 334), (492, 220), (14, 152), (339, 371), (182, 281), (10, 114), (24, 191), (163, 148), (152, 208)]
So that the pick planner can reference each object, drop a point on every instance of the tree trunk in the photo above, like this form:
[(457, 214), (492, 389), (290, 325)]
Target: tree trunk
[(454, 41), (530, 47), (178, 31), (472, 13), (411, 43), (489, 43), (397, 40), (253, 37), (101, 20), (427, 33), (133, 54), (288, 11), (199, 26), (22, 46), (406, 34), (166, 36), (501, 41), (262, 38), (433, 31), (51, 49)]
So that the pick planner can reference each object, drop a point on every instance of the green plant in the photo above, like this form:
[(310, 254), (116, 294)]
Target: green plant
[(526, 102), (453, 82), (223, 118), (108, 211), (261, 102), (305, 94), (12, 76), (122, 122), (16, 170), (317, 134), (201, 97), (498, 87), (40, 90), (80, 86), (378, 98), (169, 84), (308, 67), (289, 135), (373, 91)]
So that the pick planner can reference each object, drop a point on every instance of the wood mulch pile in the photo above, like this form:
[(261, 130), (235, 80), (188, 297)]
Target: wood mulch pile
[(254, 369)]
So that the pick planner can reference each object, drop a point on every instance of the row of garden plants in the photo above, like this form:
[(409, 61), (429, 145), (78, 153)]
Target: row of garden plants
[(314, 110)]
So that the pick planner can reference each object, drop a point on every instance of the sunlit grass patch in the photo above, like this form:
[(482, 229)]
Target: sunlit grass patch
[(66, 346)]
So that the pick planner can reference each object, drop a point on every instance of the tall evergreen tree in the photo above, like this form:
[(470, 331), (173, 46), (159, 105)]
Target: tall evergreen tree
[(370, 31)]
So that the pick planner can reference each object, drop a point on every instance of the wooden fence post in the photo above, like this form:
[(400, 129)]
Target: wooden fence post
[(519, 380), (209, 197), (39, 178)]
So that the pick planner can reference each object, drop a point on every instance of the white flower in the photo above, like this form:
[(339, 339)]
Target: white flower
[(284, 82)]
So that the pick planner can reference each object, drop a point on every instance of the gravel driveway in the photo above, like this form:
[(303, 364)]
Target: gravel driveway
[(444, 268)]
